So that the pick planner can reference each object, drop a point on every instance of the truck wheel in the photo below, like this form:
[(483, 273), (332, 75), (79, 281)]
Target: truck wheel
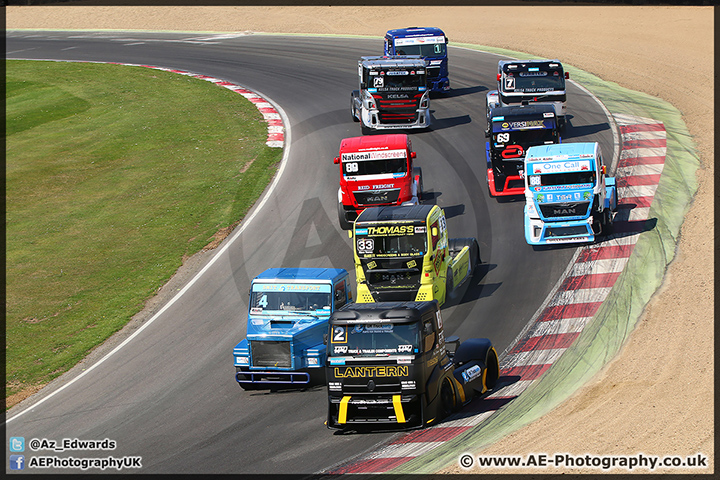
[(447, 398), (353, 112), (492, 366), (417, 173), (342, 218), (449, 287), (607, 222)]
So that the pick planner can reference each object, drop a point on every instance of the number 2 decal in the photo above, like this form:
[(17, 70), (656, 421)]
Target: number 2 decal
[(339, 335)]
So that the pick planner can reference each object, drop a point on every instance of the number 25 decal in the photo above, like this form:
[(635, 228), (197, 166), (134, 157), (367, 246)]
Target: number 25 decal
[(513, 151)]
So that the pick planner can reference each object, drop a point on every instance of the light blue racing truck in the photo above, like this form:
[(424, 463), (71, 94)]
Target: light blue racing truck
[(288, 314), (428, 42), (568, 196)]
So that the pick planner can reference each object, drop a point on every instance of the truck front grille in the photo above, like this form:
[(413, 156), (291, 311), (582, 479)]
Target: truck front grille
[(270, 354), (398, 111), (433, 73), (563, 210), (379, 386), (380, 197)]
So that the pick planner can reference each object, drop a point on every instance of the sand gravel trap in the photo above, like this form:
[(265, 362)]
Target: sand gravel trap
[(656, 396)]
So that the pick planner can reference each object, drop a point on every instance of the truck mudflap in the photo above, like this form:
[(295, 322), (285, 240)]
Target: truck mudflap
[(270, 378)]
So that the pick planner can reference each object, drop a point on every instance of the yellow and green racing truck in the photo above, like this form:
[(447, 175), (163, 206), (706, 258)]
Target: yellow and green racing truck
[(402, 253)]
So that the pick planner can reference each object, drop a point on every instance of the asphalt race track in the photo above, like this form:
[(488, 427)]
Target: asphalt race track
[(169, 395)]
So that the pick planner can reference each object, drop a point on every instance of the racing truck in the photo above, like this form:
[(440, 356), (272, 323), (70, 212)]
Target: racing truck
[(532, 81), (393, 93), (376, 170), (389, 365), (568, 196), (402, 253), (511, 131), (288, 313), (428, 42)]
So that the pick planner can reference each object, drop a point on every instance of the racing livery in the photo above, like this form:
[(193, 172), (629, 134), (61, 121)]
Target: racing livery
[(532, 81), (568, 197), (388, 365), (287, 317), (511, 131), (428, 42), (376, 170), (403, 253), (393, 93)]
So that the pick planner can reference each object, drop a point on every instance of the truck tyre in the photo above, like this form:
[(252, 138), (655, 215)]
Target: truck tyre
[(493, 369), (449, 287), (417, 174), (447, 399), (342, 218), (352, 110)]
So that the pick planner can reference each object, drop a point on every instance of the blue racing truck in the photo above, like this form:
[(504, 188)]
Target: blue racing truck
[(428, 42), (511, 131), (568, 197), (288, 314)]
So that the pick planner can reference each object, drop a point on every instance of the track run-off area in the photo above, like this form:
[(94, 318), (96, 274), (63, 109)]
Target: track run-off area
[(169, 394)]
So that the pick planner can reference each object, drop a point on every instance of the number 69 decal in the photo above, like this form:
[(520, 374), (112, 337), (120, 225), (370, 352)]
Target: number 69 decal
[(339, 334), (503, 137)]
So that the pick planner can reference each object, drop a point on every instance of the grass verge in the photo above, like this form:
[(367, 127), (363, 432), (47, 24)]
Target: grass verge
[(114, 174)]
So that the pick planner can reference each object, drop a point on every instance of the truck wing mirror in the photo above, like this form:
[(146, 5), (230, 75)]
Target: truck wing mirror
[(349, 233), (567, 75), (325, 337), (363, 85), (413, 154), (499, 75), (453, 340), (336, 160)]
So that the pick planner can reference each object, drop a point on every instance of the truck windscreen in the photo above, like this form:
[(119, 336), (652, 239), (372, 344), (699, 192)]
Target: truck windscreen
[(382, 339), (392, 246), (424, 49), (267, 302), (569, 179), (375, 167), (524, 138), (534, 82), (397, 81)]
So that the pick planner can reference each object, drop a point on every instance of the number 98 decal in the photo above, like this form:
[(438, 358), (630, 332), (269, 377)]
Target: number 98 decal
[(365, 245)]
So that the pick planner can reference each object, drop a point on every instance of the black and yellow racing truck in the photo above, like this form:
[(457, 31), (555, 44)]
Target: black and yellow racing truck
[(402, 253), (388, 366)]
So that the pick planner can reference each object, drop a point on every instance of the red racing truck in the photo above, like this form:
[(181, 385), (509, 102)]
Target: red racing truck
[(376, 170)]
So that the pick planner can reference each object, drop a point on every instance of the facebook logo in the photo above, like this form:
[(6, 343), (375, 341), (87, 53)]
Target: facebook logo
[(17, 462), (17, 444)]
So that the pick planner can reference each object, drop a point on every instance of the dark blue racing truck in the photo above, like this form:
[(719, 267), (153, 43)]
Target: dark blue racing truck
[(428, 42)]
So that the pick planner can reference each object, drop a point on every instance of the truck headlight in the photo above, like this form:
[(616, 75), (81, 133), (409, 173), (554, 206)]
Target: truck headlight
[(335, 386), (242, 360), (424, 103), (313, 361)]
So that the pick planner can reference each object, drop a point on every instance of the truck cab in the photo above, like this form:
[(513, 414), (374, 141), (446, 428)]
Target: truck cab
[(568, 196), (428, 42), (403, 253), (511, 131), (376, 170), (393, 94), (390, 364), (531, 81), (288, 311)]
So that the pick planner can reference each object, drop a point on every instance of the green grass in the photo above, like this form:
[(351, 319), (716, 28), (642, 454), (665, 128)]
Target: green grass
[(113, 175)]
